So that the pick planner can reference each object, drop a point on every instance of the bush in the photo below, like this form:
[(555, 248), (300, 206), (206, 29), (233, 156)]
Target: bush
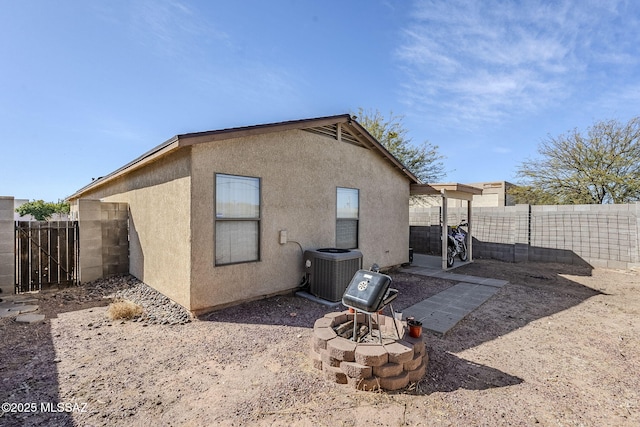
[(124, 309)]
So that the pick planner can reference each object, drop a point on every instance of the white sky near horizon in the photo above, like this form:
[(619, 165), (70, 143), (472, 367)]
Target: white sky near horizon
[(86, 87)]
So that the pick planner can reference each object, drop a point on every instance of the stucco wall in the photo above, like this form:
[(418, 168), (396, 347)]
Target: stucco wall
[(159, 210), (299, 174)]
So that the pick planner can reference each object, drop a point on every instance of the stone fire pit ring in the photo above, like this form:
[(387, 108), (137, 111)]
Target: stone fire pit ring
[(392, 365)]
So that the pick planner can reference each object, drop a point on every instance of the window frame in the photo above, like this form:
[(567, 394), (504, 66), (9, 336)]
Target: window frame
[(356, 219), (219, 219)]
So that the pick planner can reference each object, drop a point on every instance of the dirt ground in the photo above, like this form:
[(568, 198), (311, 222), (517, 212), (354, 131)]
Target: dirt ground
[(557, 346)]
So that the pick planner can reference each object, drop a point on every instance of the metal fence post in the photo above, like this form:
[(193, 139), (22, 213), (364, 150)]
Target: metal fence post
[(522, 233)]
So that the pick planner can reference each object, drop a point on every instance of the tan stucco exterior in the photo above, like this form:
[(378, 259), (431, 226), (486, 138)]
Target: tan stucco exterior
[(172, 212), (159, 229), (299, 174)]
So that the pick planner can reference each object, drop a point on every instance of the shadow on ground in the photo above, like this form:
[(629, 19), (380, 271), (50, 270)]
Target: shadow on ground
[(30, 380), (535, 291), (447, 373)]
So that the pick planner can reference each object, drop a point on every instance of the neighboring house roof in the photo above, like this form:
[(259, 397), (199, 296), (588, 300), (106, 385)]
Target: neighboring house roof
[(342, 127)]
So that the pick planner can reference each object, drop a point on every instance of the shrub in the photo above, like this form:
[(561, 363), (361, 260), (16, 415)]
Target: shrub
[(124, 309)]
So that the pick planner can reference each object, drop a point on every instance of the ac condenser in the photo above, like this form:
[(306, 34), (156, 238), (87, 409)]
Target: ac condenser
[(330, 270)]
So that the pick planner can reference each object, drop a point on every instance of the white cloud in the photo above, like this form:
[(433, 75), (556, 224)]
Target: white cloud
[(171, 28), (478, 62), (210, 59)]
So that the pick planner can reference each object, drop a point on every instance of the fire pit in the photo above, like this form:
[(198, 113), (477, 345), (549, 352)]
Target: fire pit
[(377, 359)]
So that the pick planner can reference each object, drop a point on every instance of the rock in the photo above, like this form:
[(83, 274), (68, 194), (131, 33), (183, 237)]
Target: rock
[(157, 308)]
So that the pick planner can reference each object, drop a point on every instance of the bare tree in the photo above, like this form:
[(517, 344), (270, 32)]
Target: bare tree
[(423, 160), (602, 166)]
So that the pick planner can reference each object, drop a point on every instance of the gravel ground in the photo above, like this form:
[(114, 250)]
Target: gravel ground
[(557, 346), (157, 308)]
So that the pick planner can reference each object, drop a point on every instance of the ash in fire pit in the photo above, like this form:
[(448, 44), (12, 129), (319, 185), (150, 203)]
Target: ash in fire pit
[(365, 333)]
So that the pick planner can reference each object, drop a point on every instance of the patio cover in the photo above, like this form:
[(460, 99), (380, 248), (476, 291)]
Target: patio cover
[(447, 191)]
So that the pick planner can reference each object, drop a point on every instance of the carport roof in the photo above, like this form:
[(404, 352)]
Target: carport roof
[(451, 190)]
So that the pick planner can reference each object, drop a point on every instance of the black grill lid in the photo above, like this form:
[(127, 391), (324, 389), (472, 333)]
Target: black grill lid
[(366, 291)]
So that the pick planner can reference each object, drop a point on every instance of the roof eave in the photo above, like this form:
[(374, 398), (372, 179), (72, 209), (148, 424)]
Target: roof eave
[(385, 153), (189, 139), (218, 135), (150, 156)]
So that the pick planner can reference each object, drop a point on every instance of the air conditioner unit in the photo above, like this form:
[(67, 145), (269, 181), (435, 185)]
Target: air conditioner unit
[(330, 270)]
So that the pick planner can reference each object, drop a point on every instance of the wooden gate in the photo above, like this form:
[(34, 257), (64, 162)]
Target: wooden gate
[(46, 254)]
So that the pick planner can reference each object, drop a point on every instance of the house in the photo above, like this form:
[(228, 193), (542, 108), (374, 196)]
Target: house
[(221, 217), (494, 193)]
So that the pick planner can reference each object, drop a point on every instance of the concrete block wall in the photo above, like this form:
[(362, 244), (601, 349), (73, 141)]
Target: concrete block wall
[(421, 238), (601, 235), (494, 230), (521, 232), (424, 235), (424, 215), (89, 216), (103, 239), (115, 238), (7, 246)]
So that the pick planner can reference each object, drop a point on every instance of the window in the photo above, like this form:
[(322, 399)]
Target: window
[(347, 214), (237, 219)]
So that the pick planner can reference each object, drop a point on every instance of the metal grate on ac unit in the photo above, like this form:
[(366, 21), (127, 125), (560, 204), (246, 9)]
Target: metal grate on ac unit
[(330, 270)]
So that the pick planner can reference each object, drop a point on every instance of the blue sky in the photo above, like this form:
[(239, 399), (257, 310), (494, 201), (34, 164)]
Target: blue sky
[(87, 86)]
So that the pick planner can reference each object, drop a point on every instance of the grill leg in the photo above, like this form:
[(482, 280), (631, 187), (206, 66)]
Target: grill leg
[(395, 325), (371, 329), (355, 325)]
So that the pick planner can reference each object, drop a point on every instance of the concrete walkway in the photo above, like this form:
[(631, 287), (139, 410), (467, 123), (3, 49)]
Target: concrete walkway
[(21, 307), (443, 311)]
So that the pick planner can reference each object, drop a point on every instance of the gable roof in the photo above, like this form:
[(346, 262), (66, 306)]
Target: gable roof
[(341, 127)]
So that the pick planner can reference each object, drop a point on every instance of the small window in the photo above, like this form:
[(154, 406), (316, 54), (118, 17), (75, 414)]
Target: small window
[(237, 219), (347, 216)]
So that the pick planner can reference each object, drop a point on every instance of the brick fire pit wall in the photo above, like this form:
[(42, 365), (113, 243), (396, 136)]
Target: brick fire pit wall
[(392, 365)]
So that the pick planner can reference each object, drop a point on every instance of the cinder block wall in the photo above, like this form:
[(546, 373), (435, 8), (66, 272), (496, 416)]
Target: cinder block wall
[(424, 235), (103, 238), (115, 238), (601, 235), (7, 246), (89, 216)]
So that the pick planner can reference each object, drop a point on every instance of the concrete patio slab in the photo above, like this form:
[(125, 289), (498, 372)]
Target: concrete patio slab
[(444, 310), (15, 306), (7, 313), (454, 276), (30, 318), (24, 308), (14, 300)]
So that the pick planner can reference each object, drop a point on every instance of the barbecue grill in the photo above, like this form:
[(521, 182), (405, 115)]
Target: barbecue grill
[(369, 292)]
